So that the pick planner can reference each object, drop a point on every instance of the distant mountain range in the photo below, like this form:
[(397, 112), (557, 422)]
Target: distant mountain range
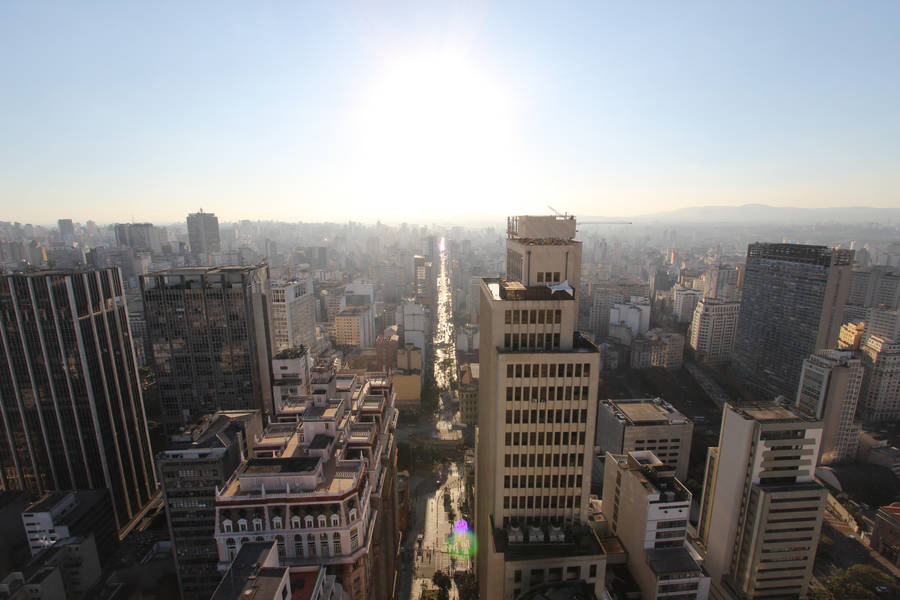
[(762, 213)]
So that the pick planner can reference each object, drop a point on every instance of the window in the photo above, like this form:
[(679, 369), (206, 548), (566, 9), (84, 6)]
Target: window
[(308, 521), (242, 524), (354, 539), (227, 526), (311, 545), (336, 543), (335, 520), (298, 546), (231, 548), (295, 522), (276, 524), (279, 541), (352, 514), (323, 521)]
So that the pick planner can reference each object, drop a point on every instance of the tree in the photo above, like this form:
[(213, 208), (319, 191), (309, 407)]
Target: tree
[(466, 585), (858, 582)]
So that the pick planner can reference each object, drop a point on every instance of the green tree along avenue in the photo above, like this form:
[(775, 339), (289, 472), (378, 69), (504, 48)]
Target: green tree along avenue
[(860, 582)]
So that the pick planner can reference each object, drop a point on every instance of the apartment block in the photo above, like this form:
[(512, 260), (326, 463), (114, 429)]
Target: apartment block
[(880, 397), (320, 484), (648, 508), (292, 313), (829, 391), (761, 511), (792, 305), (644, 424), (713, 329)]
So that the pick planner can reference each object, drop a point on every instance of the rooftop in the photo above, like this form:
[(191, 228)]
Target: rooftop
[(276, 466), (672, 560), (645, 411), (247, 577)]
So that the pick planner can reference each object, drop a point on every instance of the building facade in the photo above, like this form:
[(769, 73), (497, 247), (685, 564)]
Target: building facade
[(73, 414), (195, 464), (203, 233), (880, 398), (292, 315), (761, 511), (648, 508), (829, 391), (713, 329), (207, 341), (792, 305), (536, 417)]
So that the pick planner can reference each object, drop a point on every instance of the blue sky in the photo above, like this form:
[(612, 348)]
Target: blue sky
[(435, 111)]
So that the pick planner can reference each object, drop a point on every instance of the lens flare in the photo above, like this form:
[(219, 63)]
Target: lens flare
[(462, 542)]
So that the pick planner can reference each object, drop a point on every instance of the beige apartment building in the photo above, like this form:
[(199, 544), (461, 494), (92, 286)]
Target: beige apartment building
[(881, 386), (713, 329), (761, 511), (829, 391), (644, 424), (536, 418), (648, 508), (292, 315)]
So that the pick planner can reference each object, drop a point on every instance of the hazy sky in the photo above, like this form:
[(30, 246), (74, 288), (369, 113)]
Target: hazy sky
[(431, 111)]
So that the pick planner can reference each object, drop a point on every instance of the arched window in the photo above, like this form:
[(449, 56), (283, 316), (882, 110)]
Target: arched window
[(295, 522), (231, 548), (242, 524), (227, 526), (323, 521), (298, 546), (335, 520), (257, 524), (276, 523), (323, 544), (279, 541), (336, 543), (311, 545), (352, 514), (308, 522)]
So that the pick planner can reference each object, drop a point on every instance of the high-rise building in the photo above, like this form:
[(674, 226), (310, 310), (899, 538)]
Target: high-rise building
[(353, 327), (197, 462), (761, 511), (829, 390), (66, 229), (880, 396), (639, 424), (292, 315), (203, 233), (207, 342), (713, 329), (685, 300), (647, 508), (792, 305), (73, 414), (722, 283), (536, 417)]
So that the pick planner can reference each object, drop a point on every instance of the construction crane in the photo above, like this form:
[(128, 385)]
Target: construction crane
[(559, 214)]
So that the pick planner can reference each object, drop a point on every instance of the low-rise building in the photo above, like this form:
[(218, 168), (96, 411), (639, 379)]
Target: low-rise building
[(648, 508), (651, 424), (78, 513), (321, 485)]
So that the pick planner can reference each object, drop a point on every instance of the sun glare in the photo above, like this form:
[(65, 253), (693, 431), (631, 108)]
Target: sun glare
[(433, 128)]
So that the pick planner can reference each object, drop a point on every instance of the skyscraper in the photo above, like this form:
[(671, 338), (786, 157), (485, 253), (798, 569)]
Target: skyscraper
[(73, 415), (792, 305), (761, 511), (713, 329), (293, 315), (207, 340), (828, 391), (536, 417), (203, 232)]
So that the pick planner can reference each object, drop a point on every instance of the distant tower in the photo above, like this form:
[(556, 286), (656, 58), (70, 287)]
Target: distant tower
[(792, 305), (66, 229), (203, 233), (73, 414)]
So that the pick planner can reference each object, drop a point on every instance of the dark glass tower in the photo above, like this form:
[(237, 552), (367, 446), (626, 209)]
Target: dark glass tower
[(207, 340), (72, 411), (792, 305)]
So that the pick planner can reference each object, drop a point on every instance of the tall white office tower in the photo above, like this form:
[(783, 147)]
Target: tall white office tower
[(761, 511), (829, 390), (537, 415)]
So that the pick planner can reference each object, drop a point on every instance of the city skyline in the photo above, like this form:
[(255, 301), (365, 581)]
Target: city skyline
[(325, 111)]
